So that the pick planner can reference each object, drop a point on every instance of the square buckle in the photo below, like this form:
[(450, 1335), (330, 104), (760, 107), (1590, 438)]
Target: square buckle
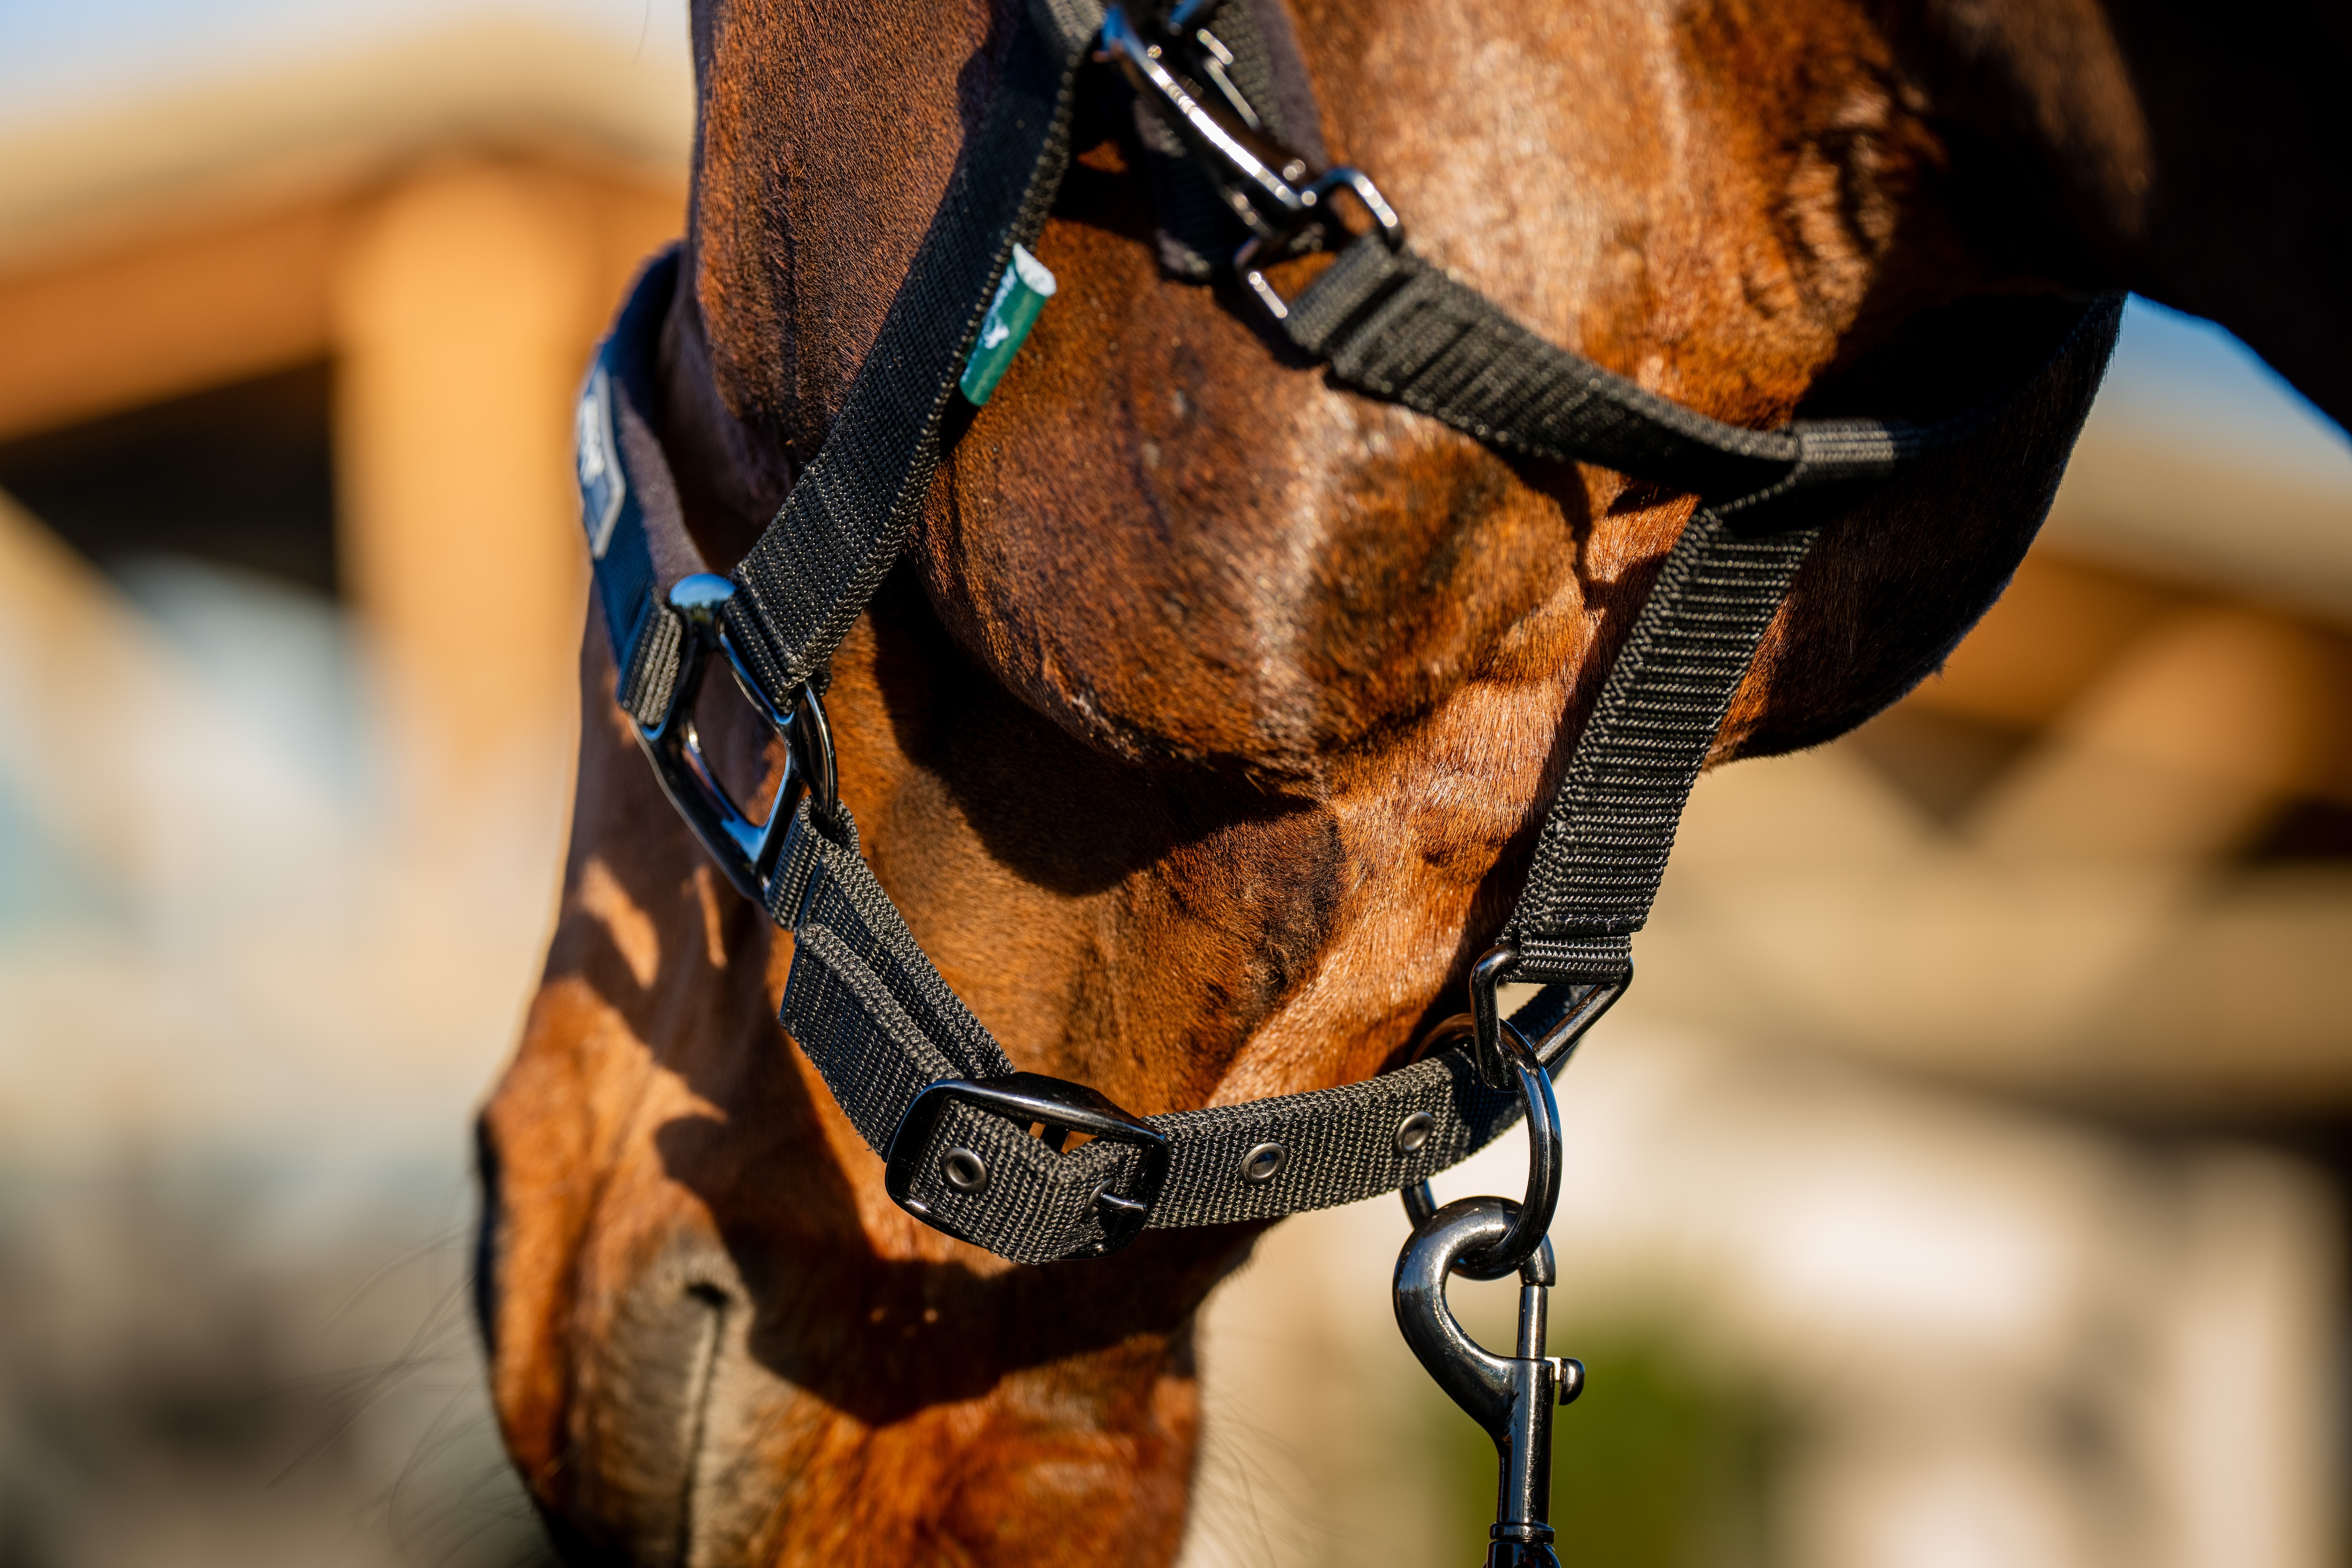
[(745, 849), (1026, 1098)]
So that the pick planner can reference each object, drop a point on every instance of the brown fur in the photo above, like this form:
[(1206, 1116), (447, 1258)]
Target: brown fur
[(1201, 733)]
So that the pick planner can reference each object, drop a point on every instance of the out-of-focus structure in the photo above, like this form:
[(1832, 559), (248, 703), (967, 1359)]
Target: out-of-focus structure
[(1961, 1185), (290, 595), (292, 581)]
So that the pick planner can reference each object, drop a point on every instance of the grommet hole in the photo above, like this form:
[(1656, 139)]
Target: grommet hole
[(1263, 1163), (1414, 1134), (965, 1170)]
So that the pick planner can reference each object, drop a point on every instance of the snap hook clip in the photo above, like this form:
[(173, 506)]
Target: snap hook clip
[(1511, 1397)]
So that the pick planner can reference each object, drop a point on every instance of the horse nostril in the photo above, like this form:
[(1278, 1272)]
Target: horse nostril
[(487, 1233), (1263, 1163), (965, 1171)]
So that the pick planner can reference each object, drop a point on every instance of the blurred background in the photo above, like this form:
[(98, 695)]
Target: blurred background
[(1963, 1185)]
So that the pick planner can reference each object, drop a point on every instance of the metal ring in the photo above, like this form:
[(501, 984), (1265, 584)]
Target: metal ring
[(1444, 1033), (1263, 1163), (1532, 1224), (812, 742), (1530, 1219)]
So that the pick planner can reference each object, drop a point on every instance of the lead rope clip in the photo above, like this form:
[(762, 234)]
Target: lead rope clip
[(1511, 1397)]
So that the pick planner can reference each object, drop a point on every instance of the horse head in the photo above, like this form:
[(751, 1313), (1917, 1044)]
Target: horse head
[(1201, 729)]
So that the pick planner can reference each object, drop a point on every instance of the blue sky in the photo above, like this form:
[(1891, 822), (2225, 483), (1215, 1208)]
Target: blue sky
[(59, 55), (2174, 377), (2184, 378)]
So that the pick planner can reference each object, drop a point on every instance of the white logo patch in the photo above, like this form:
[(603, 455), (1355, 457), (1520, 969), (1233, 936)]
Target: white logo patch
[(601, 488)]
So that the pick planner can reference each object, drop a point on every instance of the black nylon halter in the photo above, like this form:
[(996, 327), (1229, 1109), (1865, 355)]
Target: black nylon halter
[(922, 1080)]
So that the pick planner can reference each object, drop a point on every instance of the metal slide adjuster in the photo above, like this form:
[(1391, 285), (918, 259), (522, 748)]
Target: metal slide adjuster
[(1027, 1099), (1269, 187), (1486, 1013), (1259, 252), (1493, 968), (745, 849)]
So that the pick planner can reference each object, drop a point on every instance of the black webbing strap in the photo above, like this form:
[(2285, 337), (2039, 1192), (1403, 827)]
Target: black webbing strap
[(881, 1025), (807, 580), (1392, 325), (1611, 827), (909, 1063)]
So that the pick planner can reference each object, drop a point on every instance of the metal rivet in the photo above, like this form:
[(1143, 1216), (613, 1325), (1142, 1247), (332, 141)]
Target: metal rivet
[(1413, 1133), (1263, 1163), (965, 1171)]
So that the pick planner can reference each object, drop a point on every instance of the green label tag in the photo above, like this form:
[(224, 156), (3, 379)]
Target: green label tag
[(1023, 293)]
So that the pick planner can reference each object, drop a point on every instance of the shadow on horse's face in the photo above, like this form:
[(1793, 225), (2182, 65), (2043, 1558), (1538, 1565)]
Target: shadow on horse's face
[(1199, 733)]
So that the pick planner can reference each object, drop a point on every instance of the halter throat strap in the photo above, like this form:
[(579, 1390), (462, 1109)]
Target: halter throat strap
[(923, 1081)]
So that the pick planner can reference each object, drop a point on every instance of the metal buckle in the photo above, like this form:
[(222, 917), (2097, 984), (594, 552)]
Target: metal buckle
[(1265, 185), (1027, 1099), (746, 850), (1276, 248)]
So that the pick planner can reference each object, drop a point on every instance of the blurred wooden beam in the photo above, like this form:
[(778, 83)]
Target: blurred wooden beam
[(2055, 629), (2231, 525), (167, 316)]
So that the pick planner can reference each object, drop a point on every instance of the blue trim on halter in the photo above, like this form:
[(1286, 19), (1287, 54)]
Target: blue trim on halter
[(609, 509)]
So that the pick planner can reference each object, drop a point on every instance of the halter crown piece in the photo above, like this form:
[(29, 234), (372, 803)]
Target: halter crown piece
[(1228, 130)]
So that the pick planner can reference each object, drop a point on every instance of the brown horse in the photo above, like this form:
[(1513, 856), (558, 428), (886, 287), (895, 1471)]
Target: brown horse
[(1200, 731)]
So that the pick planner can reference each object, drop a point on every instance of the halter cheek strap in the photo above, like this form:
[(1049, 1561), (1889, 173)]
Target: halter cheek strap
[(925, 1084)]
